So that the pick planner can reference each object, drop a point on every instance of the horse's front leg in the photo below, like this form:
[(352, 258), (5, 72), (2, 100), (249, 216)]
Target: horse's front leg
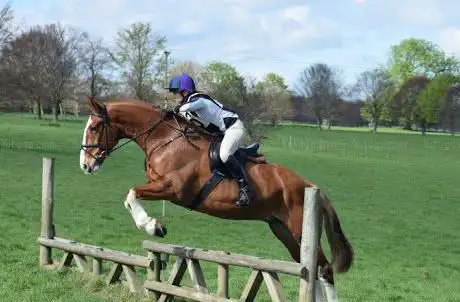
[(153, 191)]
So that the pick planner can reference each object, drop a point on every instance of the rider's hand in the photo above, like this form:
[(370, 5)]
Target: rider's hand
[(169, 112), (176, 108)]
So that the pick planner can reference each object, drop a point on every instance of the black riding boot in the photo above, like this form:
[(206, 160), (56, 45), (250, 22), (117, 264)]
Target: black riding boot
[(238, 171)]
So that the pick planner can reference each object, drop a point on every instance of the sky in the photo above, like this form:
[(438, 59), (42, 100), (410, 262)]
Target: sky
[(262, 36)]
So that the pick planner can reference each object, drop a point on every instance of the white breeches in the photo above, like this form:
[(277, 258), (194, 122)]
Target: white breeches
[(232, 140)]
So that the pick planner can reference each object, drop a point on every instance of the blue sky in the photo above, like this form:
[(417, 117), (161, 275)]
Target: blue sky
[(260, 36)]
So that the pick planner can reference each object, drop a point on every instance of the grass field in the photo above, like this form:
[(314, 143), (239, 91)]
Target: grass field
[(397, 197)]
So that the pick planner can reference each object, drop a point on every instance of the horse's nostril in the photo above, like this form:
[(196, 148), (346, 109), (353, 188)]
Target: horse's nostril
[(85, 166)]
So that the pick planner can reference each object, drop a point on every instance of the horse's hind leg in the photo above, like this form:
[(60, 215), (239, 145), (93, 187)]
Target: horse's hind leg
[(280, 230), (326, 273)]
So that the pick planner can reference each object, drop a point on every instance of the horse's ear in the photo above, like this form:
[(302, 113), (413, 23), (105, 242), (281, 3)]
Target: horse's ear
[(95, 106)]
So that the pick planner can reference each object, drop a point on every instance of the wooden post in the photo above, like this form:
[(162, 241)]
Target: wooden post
[(47, 226), (309, 244), (97, 266), (222, 280), (154, 270)]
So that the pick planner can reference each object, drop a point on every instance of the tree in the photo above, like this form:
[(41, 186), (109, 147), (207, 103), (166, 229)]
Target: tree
[(451, 111), (439, 102), (7, 28), (139, 54), (94, 63), (413, 61), (404, 105), (60, 63), (225, 83), (23, 65), (376, 88), (40, 64), (320, 86), (223, 80), (276, 96), (419, 57)]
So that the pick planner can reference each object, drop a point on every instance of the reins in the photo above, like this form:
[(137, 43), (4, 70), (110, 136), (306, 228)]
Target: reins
[(106, 151)]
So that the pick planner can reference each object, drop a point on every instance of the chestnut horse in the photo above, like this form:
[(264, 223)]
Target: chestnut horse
[(178, 166)]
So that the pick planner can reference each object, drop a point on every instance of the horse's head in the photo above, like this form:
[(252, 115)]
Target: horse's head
[(99, 137)]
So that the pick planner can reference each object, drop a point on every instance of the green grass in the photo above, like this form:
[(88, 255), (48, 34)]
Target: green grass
[(396, 196)]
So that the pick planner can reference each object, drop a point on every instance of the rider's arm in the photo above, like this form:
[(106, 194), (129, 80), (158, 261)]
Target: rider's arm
[(193, 105)]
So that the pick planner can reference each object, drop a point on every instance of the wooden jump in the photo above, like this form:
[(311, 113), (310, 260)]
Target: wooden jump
[(187, 259)]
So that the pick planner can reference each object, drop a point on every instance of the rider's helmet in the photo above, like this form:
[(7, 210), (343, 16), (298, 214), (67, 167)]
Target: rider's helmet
[(181, 83)]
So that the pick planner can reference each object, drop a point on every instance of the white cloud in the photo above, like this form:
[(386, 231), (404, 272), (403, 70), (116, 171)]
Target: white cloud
[(420, 12), (450, 40), (190, 27), (293, 25), (297, 13)]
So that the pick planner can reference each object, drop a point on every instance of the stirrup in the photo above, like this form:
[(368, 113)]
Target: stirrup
[(245, 195)]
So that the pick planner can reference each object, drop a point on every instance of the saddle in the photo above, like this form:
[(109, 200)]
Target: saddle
[(219, 170), (242, 154)]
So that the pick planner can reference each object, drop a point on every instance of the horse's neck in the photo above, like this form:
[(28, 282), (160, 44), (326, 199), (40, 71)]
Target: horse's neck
[(134, 122)]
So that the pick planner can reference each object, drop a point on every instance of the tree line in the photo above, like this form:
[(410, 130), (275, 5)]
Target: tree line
[(52, 68)]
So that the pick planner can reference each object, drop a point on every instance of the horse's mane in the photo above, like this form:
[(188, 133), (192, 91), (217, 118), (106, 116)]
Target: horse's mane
[(131, 101)]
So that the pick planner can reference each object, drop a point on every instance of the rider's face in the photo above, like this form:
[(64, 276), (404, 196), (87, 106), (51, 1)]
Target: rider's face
[(178, 97)]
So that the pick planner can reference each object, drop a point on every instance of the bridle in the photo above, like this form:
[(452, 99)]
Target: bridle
[(106, 150)]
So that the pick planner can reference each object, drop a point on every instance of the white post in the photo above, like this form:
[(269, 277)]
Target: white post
[(309, 245)]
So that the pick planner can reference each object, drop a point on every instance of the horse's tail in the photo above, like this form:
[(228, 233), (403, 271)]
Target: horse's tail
[(341, 250)]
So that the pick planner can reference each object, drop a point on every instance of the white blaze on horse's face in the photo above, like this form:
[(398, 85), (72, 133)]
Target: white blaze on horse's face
[(88, 155), (85, 160)]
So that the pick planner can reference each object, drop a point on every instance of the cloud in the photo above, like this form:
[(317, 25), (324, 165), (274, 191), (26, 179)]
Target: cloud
[(450, 40), (427, 12), (294, 25), (260, 36), (190, 27)]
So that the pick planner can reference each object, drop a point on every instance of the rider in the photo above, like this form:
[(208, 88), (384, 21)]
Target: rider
[(216, 118)]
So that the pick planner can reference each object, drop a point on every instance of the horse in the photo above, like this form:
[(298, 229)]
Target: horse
[(182, 166)]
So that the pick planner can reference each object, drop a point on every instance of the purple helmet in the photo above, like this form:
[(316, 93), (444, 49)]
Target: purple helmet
[(182, 82)]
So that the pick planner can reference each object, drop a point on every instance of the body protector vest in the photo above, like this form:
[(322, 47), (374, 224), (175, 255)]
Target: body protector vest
[(208, 113)]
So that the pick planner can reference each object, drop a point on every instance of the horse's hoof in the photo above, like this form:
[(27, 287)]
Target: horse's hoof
[(161, 232)]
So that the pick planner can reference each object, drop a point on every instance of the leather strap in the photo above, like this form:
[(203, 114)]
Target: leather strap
[(213, 181)]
